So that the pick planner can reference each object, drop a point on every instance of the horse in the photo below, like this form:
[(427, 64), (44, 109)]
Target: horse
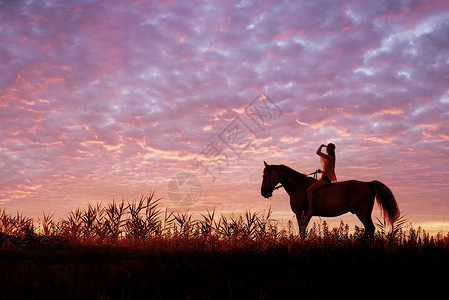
[(332, 200)]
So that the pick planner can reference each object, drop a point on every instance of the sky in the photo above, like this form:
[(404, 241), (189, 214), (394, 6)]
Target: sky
[(111, 100)]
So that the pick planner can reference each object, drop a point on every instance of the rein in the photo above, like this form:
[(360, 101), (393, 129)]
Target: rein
[(315, 176)]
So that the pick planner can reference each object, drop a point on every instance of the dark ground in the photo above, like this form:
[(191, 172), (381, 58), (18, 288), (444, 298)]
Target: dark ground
[(278, 273)]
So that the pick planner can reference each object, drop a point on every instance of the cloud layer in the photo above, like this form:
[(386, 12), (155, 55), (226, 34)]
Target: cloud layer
[(103, 100)]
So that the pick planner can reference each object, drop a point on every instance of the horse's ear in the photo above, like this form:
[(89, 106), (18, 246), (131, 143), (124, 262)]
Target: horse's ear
[(266, 165)]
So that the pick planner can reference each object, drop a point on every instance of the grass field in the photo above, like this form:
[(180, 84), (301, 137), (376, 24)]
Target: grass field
[(135, 250)]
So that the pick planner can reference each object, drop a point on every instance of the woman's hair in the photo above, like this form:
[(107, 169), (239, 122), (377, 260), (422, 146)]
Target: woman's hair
[(331, 151)]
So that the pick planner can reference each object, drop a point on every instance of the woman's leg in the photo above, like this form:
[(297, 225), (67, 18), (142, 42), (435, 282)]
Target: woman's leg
[(313, 187)]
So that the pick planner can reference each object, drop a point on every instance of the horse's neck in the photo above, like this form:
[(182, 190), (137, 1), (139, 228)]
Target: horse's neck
[(291, 184)]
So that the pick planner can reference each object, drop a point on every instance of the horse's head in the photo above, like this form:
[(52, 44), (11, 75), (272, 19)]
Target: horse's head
[(269, 181)]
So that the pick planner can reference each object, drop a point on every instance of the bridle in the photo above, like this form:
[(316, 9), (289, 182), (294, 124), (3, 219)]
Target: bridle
[(272, 177)]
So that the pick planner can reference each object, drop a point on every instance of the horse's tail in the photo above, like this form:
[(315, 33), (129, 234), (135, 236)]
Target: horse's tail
[(386, 201)]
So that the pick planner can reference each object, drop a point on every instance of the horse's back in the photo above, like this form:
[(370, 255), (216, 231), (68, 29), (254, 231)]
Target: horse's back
[(348, 186), (341, 197), (354, 185)]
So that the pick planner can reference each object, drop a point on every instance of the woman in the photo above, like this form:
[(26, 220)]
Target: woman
[(327, 174)]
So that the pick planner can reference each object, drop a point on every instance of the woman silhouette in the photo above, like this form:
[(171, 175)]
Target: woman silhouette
[(327, 174)]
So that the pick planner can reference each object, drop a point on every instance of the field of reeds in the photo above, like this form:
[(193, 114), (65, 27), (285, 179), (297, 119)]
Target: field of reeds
[(137, 250)]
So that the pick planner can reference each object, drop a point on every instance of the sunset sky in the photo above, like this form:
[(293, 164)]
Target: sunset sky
[(103, 100)]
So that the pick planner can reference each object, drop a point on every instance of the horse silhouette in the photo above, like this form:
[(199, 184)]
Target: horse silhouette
[(332, 200)]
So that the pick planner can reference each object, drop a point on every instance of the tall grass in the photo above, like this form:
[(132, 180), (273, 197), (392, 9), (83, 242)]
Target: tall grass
[(143, 223), (138, 250)]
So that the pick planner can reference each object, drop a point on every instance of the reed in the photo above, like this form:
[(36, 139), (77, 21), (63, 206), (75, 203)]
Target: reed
[(137, 250), (141, 223)]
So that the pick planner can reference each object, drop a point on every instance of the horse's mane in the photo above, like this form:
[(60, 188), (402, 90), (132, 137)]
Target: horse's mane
[(290, 172)]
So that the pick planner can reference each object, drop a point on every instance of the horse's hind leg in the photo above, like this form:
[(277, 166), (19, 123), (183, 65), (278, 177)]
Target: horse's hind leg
[(367, 222), (364, 214), (369, 227)]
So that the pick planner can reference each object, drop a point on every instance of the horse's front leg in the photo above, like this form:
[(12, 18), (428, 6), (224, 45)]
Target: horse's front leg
[(303, 221)]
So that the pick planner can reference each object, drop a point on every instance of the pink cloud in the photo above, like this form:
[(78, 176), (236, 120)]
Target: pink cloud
[(112, 100)]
